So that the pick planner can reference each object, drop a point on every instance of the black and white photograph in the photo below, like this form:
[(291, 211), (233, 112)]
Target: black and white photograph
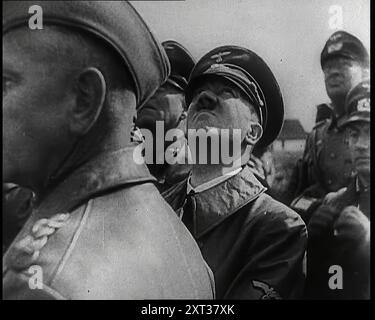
[(186, 151)]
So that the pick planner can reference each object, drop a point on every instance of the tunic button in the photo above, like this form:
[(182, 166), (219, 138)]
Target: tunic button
[(200, 244), (333, 155), (329, 181)]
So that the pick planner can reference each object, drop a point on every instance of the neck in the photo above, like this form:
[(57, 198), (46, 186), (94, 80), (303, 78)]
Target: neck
[(338, 106), (202, 173), (100, 139)]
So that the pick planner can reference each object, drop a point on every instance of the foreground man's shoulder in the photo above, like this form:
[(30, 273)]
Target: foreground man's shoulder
[(125, 244), (146, 240)]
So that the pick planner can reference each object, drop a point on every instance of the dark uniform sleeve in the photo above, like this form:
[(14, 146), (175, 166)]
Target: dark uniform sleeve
[(303, 176), (276, 258), (305, 181)]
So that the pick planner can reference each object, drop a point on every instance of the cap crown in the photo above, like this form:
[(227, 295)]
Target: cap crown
[(251, 74), (181, 61), (344, 44)]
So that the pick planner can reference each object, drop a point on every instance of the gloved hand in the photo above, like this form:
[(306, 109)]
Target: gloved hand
[(321, 222), (352, 225)]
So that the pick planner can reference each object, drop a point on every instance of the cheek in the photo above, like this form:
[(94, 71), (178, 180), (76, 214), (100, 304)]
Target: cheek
[(189, 122), (354, 75), (21, 145), (172, 107), (352, 149), (32, 123), (240, 116)]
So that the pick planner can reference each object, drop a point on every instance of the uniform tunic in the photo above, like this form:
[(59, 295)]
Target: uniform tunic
[(105, 232), (254, 245), (326, 165)]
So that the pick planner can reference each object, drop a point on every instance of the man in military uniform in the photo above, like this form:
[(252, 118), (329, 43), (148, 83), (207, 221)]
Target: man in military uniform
[(254, 245), (100, 229), (168, 107), (326, 165), (339, 230)]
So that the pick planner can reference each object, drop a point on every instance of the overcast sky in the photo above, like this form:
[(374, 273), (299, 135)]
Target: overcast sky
[(288, 34)]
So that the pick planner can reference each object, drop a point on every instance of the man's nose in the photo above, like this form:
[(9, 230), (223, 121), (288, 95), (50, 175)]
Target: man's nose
[(363, 143), (206, 100), (332, 71)]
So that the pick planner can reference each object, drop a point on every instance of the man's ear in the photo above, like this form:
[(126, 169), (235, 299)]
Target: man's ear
[(254, 133), (90, 97), (181, 123), (365, 73), (183, 116)]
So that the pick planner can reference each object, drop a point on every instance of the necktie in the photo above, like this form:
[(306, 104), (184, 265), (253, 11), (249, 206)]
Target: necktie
[(189, 212)]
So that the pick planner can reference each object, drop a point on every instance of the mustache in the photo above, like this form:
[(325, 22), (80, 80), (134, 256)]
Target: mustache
[(197, 108), (335, 76)]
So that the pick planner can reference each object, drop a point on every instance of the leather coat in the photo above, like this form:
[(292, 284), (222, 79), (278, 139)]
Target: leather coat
[(254, 244)]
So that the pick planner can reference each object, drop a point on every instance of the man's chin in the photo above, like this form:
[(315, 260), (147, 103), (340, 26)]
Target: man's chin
[(336, 92)]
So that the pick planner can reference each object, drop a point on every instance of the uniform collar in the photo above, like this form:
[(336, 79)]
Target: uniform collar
[(336, 122), (105, 172), (214, 205), (210, 184), (359, 187)]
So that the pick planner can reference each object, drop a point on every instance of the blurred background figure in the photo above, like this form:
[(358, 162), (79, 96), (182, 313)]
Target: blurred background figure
[(262, 164), (168, 106), (339, 230)]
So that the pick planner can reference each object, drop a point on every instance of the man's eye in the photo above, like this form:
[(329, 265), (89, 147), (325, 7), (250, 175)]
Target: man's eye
[(346, 63), (353, 134), (228, 92), (7, 84)]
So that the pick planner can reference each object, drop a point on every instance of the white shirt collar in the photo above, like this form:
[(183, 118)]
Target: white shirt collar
[(212, 183)]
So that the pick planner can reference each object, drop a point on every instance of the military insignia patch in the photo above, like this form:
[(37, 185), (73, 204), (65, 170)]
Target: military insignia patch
[(366, 85), (269, 293), (363, 105), (216, 66), (334, 47), (219, 56)]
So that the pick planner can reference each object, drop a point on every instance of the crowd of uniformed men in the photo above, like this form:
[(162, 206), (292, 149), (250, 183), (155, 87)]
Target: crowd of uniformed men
[(77, 95)]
